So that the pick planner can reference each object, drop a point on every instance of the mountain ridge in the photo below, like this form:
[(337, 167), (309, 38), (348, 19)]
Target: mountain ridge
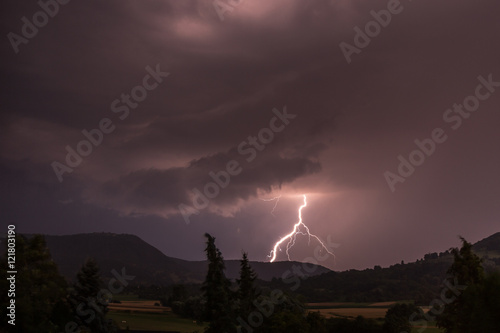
[(150, 265), (421, 280)]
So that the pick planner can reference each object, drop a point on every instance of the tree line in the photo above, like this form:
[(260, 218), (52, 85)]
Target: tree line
[(46, 302), (469, 303)]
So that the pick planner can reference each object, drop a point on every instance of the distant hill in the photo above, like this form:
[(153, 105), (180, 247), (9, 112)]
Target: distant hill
[(147, 263), (267, 270), (489, 244), (114, 251), (421, 281)]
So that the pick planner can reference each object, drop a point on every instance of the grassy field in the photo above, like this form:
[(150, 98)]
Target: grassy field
[(351, 310), (336, 305), (144, 315), (367, 310), (139, 306), (154, 322), (373, 313), (126, 297), (430, 329)]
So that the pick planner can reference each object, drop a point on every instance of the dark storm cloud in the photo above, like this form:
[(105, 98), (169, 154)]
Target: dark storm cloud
[(176, 122), (177, 117), (156, 191), (353, 120)]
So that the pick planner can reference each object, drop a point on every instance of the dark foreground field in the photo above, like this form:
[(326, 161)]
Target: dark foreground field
[(137, 314)]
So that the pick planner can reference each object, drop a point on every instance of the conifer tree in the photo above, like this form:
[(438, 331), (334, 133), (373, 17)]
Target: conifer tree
[(247, 292), (88, 304), (219, 301), (39, 290), (465, 272)]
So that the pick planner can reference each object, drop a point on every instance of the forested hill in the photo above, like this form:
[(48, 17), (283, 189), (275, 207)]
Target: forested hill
[(147, 263), (490, 244), (117, 251), (420, 281)]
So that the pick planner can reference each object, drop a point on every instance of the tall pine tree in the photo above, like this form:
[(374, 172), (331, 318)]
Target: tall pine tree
[(88, 304), (465, 273), (247, 293), (40, 291), (219, 307)]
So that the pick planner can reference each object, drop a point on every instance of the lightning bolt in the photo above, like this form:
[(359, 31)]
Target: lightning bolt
[(292, 236), (275, 204)]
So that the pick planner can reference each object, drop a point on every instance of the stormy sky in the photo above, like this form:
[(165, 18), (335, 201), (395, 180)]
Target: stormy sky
[(169, 119)]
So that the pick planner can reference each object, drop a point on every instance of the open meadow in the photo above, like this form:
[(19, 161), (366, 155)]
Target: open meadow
[(137, 314), (375, 311), (145, 315)]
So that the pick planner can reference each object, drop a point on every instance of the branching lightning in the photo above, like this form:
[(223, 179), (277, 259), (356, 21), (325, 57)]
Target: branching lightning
[(275, 204), (292, 236)]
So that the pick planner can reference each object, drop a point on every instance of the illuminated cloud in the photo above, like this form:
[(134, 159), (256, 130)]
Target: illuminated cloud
[(353, 120)]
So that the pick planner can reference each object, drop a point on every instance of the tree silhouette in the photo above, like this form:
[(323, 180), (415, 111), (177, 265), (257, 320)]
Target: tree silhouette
[(219, 307), (40, 290), (88, 303), (397, 318), (247, 292), (466, 272)]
